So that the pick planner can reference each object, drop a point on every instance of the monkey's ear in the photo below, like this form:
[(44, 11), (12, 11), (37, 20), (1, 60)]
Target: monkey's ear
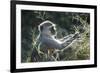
[(40, 28)]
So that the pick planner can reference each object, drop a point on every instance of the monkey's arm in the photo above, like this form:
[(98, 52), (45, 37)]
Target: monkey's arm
[(66, 37)]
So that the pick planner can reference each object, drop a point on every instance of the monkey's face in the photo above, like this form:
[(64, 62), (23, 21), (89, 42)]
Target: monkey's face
[(48, 27), (52, 30)]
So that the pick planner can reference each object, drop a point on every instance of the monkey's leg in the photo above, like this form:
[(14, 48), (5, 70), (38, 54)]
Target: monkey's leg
[(54, 54), (50, 55)]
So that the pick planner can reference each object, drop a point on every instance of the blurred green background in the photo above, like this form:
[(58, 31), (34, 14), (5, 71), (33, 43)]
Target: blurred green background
[(66, 22)]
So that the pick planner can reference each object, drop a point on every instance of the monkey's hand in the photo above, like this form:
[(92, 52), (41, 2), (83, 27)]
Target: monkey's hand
[(77, 35)]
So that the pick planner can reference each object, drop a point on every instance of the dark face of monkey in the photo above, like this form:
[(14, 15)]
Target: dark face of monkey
[(53, 30), (50, 27)]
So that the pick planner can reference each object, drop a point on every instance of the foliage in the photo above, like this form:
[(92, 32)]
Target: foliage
[(66, 22)]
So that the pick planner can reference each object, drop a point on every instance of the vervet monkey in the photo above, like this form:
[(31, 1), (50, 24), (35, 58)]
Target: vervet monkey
[(47, 37)]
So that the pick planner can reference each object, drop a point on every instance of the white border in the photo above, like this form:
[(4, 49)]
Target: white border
[(20, 65)]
